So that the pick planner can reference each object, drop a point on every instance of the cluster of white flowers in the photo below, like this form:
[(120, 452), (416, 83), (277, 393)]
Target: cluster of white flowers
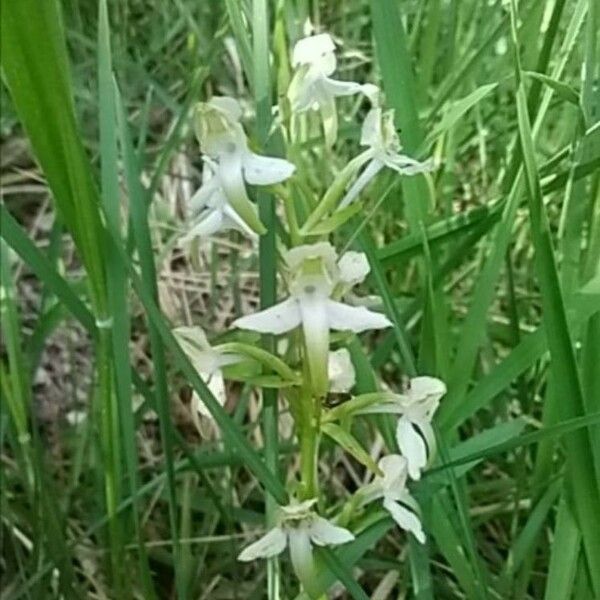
[(318, 284)]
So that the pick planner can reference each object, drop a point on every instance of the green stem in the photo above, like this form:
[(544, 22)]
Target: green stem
[(309, 445)]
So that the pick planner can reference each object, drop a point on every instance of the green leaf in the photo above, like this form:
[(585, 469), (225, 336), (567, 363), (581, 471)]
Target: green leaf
[(456, 110), (563, 90), (351, 445)]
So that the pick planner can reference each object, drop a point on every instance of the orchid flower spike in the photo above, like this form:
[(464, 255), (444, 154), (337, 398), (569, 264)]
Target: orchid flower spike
[(223, 140), (416, 408), (210, 210), (396, 498), (379, 134), (315, 276), (312, 88), (208, 363), (342, 375), (298, 528)]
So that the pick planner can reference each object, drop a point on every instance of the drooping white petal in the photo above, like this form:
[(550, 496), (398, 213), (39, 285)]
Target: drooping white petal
[(315, 326), (343, 317), (370, 134), (395, 469), (301, 90), (361, 182), (265, 170), (204, 196), (271, 544), (233, 221), (278, 319), (373, 93), (412, 446), (231, 178), (342, 375), (333, 87), (405, 518), (301, 554), (324, 533), (210, 222), (405, 165), (354, 267)]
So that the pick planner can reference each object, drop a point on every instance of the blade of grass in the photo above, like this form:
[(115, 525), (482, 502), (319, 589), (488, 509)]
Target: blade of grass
[(138, 206), (586, 495), (117, 282), (267, 252)]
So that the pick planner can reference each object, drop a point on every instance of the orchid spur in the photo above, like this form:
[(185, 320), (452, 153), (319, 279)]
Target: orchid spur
[(223, 141), (312, 86), (315, 277), (298, 528)]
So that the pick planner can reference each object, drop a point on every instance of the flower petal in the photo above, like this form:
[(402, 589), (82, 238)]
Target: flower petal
[(270, 544), (394, 468), (301, 554), (412, 446), (210, 222), (354, 267), (233, 221), (230, 106), (333, 87), (265, 170), (231, 178), (277, 319), (312, 49), (406, 165), (405, 518), (361, 183), (426, 387), (313, 308), (343, 317), (324, 533), (342, 375), (206, 195)]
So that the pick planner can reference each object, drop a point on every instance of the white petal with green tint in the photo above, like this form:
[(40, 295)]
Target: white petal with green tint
[(343, 317), (405, 518), (278, 319), (271, 544), (264, 170), (412, 446), (324, 533), (231, 177)]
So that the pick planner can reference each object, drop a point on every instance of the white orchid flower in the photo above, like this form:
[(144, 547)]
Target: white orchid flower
[(208, 363), (312, 87), (379, 134), (315, 275), (416, 408), (391, 487), (342, 375), (223, 140), (210, 209), (299, 527)]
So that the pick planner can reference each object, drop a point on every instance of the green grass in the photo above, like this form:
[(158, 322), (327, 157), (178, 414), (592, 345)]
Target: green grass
[(488, 268)]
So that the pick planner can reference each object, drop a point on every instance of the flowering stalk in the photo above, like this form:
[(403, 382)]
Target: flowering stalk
[(316, 299)]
